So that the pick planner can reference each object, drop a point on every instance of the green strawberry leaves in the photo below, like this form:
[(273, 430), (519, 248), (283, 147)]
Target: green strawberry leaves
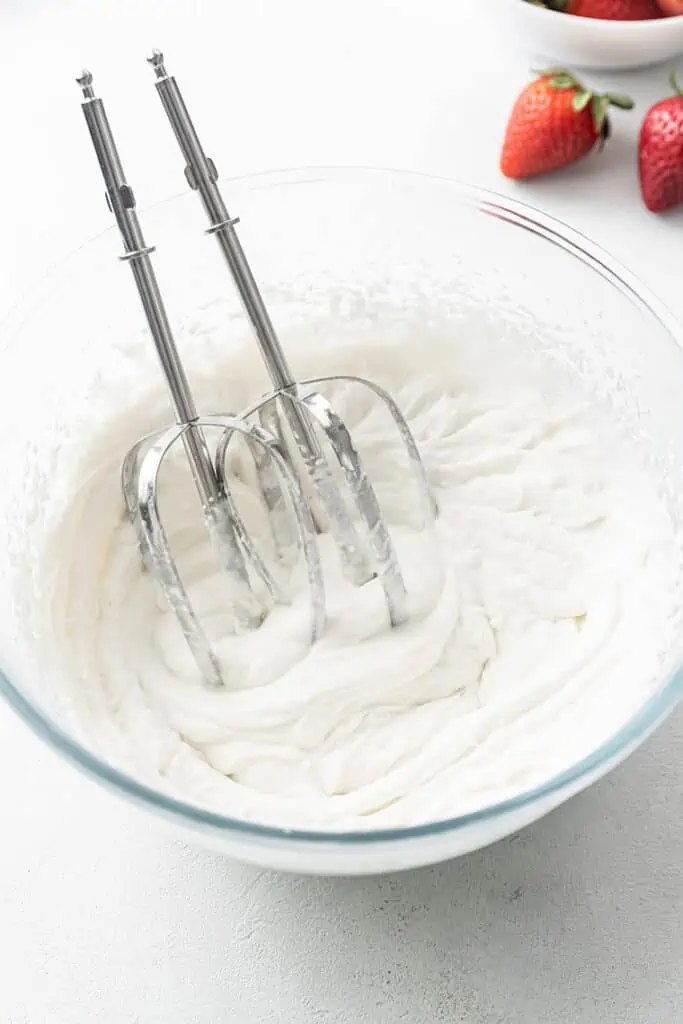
[(617, 99), (582, 97), (599, 108), (560, 78)]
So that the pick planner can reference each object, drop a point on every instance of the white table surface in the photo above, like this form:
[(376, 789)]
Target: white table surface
[(102, 917)]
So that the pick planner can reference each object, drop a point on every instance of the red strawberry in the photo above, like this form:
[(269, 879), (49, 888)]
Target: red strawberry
[(660, 152), (554, 122), (609, 10), (671, 7)]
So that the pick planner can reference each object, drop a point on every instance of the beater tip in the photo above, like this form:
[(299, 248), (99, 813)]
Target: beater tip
[(156, 59), (85, 82)]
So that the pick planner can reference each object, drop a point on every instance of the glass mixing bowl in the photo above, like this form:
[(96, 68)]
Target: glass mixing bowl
[(524, 277)]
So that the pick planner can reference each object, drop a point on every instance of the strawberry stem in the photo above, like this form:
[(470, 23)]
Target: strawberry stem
[(673, 78)]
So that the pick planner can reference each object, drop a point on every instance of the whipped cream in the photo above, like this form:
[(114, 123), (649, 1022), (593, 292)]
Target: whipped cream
[(540, 629)]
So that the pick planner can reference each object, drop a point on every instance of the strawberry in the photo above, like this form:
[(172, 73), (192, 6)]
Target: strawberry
[(660, 152), (670, 7), (554, 122), (609, 10)]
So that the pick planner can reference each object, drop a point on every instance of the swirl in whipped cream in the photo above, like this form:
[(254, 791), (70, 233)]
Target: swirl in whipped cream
[(548, 633)]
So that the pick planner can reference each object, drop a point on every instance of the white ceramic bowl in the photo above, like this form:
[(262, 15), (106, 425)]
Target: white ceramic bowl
[(587, 42), (475, 253)]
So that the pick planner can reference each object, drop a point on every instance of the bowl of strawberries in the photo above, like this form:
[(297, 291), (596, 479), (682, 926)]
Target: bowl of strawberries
[(595, 33)]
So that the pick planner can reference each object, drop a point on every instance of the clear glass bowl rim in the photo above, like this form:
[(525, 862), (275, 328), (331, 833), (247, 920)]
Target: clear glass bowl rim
[(636, 730)]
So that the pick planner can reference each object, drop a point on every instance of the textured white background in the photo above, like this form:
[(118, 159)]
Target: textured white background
[(102, 917)]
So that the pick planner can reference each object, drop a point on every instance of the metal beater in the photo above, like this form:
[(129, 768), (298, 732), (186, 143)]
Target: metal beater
[(295, 424)]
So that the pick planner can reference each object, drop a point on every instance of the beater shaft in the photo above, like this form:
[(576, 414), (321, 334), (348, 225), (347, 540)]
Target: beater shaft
[(202, 177), (365, 553), (121, 201)]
